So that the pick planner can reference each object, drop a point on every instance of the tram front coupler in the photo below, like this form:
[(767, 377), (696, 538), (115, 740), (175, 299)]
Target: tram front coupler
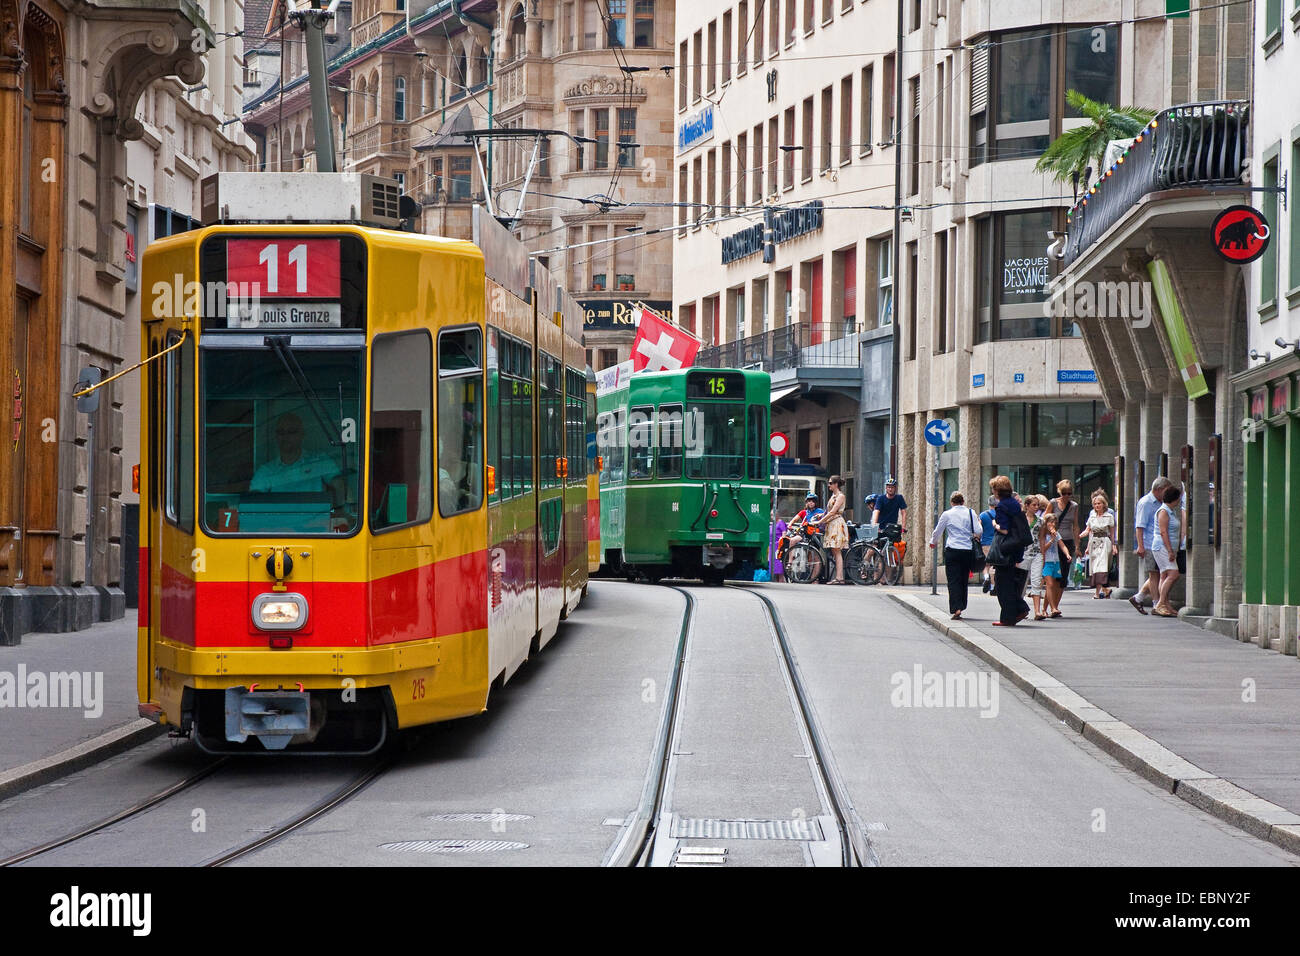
[(276, 718)]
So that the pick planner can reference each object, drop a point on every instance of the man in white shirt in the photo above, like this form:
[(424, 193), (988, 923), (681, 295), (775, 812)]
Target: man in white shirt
[(963, 529), (292, 470), (1144, 534)]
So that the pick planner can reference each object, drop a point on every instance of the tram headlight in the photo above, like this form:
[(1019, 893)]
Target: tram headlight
[(279, 612)]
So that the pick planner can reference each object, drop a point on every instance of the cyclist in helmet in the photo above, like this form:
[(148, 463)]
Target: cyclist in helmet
[(891, 507), (808, 516)]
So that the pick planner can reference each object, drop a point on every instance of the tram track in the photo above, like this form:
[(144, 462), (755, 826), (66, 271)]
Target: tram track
[(277, 832), (648, 838)]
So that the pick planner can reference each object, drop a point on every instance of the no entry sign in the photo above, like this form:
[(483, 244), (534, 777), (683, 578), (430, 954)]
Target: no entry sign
[(778, 444)]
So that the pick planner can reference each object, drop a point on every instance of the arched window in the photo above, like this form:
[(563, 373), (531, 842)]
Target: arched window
[(374, 94), (518, 43), (460, 78), (359, 101), (399, 99)]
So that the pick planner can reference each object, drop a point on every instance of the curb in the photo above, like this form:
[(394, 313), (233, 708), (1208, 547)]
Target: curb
[(108, 744), (1136, 751)]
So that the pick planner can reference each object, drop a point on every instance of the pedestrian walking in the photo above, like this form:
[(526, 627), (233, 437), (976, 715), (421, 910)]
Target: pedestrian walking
[(1165, 548), (1066, 510), (1100, 532), (1055, 554), (1008, 548), (778, 530), (1032, 563), (1144, 535), (835, 536), (959, 527), (986, 539)]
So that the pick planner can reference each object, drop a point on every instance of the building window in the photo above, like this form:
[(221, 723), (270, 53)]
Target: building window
[(711, 163), (461, 167), (1020, 80), (865, 119), (916, 16), (1014, 273), (887, 101), (788, 180), (682, 198), (697, 66), (602, 138), (1294, 208), (697, 191), (1272, 21), (884, 282), (774, 152), (608, 358), (399, 99), (626, 282), (712, 78), (591, 19), (724, 196), (913, 303), (598, 282), (645, 24), (626, 135), (756, 164), (809, 8), (791, 20), (807, 141), (1268, 203), (683, 60), (941, 292), (828, 124), (742, 37), (914, 135), (846, 120), (616, 33), (726, 47), (773, 26)]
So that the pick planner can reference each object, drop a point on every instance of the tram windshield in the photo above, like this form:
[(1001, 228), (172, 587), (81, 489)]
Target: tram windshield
[(281, 442), (715, 440)]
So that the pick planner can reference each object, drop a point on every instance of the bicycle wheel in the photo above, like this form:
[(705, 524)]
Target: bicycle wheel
[(804, 564), (893, 569), (873, 566), (856, 568)]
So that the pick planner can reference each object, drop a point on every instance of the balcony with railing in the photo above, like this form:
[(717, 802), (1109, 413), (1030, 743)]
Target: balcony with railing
[(1193, 146), (800, 345)]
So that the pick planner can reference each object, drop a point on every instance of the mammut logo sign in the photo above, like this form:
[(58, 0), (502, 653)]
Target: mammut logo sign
[(1240, 234)]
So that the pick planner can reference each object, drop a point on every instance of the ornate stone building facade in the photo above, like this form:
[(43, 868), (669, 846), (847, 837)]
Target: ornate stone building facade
[(71, 79)]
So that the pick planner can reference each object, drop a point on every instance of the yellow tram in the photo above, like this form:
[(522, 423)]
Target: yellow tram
[(364, 473)]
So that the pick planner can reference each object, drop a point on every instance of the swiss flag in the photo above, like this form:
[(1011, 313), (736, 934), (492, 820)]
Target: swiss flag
[(661, 346)]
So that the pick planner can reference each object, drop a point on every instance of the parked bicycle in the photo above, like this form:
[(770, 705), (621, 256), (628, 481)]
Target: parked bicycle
[(806, 562), (873, 560)]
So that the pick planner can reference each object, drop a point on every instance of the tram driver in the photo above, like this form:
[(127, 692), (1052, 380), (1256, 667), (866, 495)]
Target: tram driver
[(294, 470)]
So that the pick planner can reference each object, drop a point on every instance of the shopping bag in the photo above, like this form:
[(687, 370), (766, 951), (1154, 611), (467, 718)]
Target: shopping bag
[(1079, 571)]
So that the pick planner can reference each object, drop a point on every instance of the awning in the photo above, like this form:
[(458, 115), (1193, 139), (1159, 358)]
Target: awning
[(783, 393)]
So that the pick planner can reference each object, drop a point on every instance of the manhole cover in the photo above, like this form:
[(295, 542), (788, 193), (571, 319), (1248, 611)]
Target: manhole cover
[(453, 846), (705, 829), (480, 817)]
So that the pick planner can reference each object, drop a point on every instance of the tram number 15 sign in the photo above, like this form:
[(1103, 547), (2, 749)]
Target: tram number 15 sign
[(285, 267)]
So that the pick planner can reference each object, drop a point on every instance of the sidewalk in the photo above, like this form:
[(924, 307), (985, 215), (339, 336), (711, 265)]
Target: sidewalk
[(41, 716), (1229, 710)]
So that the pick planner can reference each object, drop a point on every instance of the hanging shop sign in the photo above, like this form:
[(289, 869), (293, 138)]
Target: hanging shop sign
[(785, 225), (695, 129), (1240, 234)]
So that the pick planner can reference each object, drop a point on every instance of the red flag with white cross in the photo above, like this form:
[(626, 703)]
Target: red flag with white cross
[(661, 346)]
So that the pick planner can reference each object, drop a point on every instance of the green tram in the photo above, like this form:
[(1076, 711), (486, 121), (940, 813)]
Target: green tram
[(684, 487)]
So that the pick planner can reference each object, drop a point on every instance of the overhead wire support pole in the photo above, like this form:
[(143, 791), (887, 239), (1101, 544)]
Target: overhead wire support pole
[(312, 23)]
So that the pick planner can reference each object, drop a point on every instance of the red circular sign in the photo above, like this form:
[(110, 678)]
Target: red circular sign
[(1240, 234), (778, 444)]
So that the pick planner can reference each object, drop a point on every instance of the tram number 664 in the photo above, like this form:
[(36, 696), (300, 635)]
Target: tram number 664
[(417, 688)]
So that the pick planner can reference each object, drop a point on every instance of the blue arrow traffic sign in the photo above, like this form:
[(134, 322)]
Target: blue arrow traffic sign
[(938, 431)]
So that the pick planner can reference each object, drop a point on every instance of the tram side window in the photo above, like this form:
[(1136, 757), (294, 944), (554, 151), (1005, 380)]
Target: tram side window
[(178, 497), (618, 453), (671, 441), (758, 443), (551, 427), (401, 442), (640, 441), (460, 421)]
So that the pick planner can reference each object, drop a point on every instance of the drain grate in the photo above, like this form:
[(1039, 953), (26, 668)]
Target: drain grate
[(478, 817), (688, 828), (701, 856), (453, 846)]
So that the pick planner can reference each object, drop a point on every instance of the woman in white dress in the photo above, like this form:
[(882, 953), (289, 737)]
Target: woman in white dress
[(1100, 532)]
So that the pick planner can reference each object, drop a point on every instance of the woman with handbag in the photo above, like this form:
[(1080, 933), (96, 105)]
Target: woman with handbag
[(1010, 539), (962, 552)]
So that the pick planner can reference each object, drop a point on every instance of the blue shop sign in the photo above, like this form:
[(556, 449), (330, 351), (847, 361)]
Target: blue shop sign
[(695, 129), (1076, 375)]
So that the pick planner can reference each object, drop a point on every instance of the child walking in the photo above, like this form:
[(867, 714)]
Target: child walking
[(1049, 540), (1033, 561)]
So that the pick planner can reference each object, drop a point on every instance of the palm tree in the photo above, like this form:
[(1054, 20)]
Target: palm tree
[(1079, 149)]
